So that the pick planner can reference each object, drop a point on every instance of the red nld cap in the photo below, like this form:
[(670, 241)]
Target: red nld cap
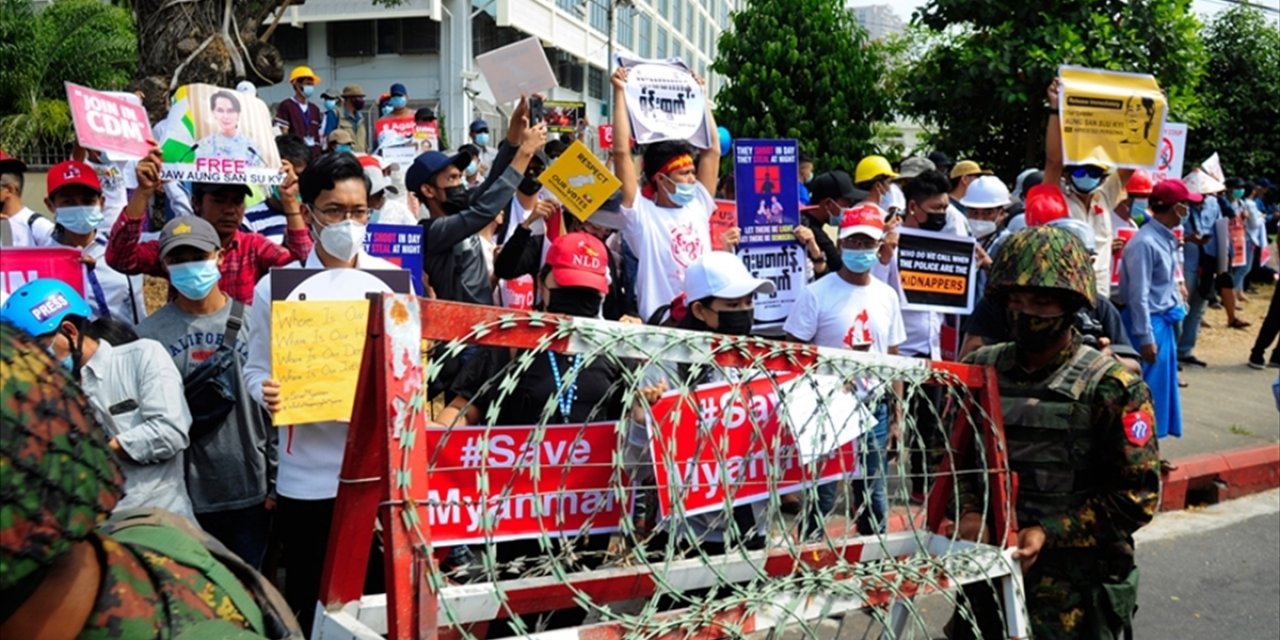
[(579, 260), (1173, 191), (866, 219), (72, 172), (1045, 203)]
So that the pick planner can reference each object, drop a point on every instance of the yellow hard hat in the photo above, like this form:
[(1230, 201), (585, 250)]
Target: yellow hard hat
[(871, 168), (303, 71)]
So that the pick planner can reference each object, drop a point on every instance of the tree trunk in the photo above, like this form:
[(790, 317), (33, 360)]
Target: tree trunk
[(210, 41)]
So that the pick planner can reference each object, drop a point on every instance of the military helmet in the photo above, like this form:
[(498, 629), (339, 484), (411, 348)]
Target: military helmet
[(58, 479), (1043, 258)]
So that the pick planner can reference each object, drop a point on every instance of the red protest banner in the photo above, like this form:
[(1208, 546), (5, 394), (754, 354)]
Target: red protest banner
[(728, 439), (403, 130), (569, 491), (107, 123), (1239, 245), (1125, 234), (724, 218), (20, 266), (606, 136)]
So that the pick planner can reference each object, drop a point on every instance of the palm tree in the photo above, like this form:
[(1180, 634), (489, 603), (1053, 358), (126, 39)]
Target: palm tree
[(81, 41)]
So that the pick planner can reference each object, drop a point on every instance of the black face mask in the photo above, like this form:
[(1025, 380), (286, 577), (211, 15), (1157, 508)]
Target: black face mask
[(575, 301), (529, 186), (934, 222), (1034, 334), (736, 323), (455, 199)]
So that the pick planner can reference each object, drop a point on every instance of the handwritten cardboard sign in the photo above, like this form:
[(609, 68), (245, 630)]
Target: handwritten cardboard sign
[(316, 346), (107, 123), (579, 180)]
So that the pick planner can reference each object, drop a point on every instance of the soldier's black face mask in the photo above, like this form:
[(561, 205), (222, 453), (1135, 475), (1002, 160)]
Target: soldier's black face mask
[(1035, 334)]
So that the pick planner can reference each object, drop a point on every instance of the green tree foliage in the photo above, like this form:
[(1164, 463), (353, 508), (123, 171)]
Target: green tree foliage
[(802, 69), (81, 41), (1242, 112), (980, 86)]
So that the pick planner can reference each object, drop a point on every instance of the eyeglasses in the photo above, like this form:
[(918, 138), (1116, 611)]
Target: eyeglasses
[(855, 242), (334, 215), (1091, 172)]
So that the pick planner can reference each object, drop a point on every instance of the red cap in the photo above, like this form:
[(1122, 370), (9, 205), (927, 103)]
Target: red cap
[(10, 164), (579, 260), (72, 172), (1173, 191), (368, 161), (1139, 183), (867, 219), (1045, 203)]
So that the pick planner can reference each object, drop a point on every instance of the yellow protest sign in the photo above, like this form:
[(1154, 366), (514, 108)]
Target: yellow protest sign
[(1110, 117), (316, 347), (579, 180)]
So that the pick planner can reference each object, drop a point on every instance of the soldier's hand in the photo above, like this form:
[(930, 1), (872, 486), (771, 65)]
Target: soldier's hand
[(1030, 541)]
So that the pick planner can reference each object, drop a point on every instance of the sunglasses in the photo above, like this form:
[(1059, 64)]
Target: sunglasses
[(1091, 172)]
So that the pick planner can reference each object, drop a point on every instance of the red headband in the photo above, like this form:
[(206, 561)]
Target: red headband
[(682, 161)]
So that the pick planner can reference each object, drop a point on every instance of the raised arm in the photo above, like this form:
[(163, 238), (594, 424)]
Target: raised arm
[(1053, 137), (709, 158), (624, 167)]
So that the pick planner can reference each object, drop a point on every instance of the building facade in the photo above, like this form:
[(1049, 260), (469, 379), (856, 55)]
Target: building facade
[(430, 47)]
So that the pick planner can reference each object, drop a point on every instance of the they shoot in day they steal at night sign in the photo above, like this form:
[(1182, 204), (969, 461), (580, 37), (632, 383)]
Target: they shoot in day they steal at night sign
[(766, 178)]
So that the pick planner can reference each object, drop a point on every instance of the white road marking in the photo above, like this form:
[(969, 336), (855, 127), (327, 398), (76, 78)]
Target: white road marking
[(1173, 524)]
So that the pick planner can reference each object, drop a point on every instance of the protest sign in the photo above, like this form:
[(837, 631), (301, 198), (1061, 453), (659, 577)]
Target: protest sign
[(20, 265), (484, 485), (516, 293), (316, 346), (784, 266), (518, 69), (766, 177), (396, 139), (1222, 238), (665, 102), (318, 324), (729, 440), (724, 218), (1173, 150), (400, 245), (1239, 243), (426, 136), (1110, 117), (562, 116), (579, 180), (606, 136), (1178, 274), (107, 123), (1126, 234), (221, 136), (937, 271)]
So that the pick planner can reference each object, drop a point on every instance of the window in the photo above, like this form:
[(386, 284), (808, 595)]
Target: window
[(646, 36), (600, 15), (291, 42), (486, 35), (662, 44), (663, 8), (570, 6), (568, 69), (351, 39), (624, 17), (689, 19), (675, 16), (596, 83), (360, 38)]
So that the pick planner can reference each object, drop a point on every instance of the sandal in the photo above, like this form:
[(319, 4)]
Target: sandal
[(1239, 324)]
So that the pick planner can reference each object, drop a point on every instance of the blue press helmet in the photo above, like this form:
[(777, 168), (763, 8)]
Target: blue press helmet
[(40, 306)]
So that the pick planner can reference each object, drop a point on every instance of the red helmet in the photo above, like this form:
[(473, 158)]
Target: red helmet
[(1139, 183), (1045, 203)]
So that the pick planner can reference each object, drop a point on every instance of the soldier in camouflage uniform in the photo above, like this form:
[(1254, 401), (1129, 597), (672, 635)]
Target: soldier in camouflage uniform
[(64, 573), (1081, 438)]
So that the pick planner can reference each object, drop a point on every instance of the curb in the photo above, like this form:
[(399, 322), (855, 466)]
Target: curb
[(1211, 478)]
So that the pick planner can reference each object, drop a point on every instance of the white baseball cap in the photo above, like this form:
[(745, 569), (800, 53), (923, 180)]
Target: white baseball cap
[(378, 182), (720, 274)]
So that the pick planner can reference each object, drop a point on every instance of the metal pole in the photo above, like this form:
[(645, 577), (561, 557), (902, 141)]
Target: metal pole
[(608, 61)]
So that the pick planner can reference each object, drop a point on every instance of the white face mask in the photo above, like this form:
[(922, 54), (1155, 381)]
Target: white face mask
[(982, 228), (893, 199), (343, 240)]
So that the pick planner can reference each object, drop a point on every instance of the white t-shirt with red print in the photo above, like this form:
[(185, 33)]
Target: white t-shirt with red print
[(834, 313), (666, 241)]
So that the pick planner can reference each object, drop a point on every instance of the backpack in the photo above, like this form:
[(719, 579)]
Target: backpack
[(212, 389), (176, 538)]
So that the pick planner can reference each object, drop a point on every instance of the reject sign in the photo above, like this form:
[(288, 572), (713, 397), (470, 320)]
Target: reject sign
[(107, 123), (579, 180)]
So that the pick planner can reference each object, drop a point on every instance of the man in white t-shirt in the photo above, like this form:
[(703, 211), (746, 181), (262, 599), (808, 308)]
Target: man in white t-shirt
[(853, 310), (669, 226), (19, 225)]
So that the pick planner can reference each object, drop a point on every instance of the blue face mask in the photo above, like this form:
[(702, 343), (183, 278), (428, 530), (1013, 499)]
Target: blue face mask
[(482, 139), (308, 90), (79, 219), (387, 109), (343, 148), (472, 168), (683, 193), (1138, 211), (67, 363), (1085, 184), (398, 102), (330, 105), (194, 280), (859, 260)]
